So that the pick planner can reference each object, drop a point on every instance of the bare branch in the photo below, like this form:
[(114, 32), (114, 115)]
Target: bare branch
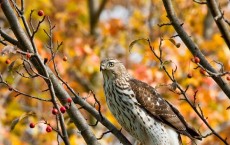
[(104, 133), (194, 97), (31, 68), (8, 38), (28, 46), (51, 88), (64, 135), (95, 113), (99, 105), (193, 47), (220, 22), (38, 26), (21, 93), (95, 13), (164, 24), (2, 41), (212, 74), (25, 63), (183, 92)]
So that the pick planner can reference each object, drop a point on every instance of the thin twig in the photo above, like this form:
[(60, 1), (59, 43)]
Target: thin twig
[(213, 74), (164, 24), (37, 74), (21, 93), (183, 92), (104, 133), (214, 8), (8, 38), (37, 28), (192, 46), (99, 105)]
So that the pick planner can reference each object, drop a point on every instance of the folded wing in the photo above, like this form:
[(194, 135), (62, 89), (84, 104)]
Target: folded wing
[(162, 110)]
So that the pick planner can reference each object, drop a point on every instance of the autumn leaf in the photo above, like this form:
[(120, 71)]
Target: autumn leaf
[(136, 41), (116, 26), (174, 42), (17, 120), (228, 108)]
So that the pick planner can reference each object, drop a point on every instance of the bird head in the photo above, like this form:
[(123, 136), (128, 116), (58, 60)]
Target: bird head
[(112, 68)]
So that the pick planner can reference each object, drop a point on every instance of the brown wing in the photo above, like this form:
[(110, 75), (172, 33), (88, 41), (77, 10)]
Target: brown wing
[(161, 109)]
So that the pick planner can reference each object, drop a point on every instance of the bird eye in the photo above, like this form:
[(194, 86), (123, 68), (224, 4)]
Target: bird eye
[(111, 64)]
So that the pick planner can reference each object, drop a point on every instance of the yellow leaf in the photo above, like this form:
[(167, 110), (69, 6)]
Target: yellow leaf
[(17, 120)]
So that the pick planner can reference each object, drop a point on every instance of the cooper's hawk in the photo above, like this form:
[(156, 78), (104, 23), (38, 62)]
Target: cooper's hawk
[(140, 109)]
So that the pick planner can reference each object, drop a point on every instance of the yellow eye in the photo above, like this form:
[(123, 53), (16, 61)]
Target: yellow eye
[(111, 64)]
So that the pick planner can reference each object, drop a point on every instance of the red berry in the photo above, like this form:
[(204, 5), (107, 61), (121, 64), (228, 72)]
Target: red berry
[(8, 61), (40, 13), (54, 111), (32, 125), (65, 58), (202, 71), (228, 78), (28, 55), (189, 75), (62, 109), (69, 100), (196, 59), (10, 88), (48, 128)]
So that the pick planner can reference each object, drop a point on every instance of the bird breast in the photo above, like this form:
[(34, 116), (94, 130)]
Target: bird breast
[(132, 117)]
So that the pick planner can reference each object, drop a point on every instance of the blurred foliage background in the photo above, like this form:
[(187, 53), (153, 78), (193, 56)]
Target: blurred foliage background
[(119, 24)]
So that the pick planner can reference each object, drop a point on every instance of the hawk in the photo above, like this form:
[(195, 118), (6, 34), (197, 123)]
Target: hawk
[(140, 110)]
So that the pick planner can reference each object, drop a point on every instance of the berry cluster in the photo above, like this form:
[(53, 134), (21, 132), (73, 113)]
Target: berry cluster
[(55, 111), (48, 128), (62, 108), (197, 61)]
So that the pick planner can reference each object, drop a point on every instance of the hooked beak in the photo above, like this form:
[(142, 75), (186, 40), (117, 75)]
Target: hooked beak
[(102, 67)]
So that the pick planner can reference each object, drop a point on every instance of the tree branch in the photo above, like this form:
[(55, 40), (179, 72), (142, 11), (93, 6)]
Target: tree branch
[(78, 100), (193, 47), (60, 92), (220, 22), (64, 135), (183, 92), (94, 14), (8, 38)]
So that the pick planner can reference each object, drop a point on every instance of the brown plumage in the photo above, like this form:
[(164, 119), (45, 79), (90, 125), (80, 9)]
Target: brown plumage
[(161, 109), (140, 109)]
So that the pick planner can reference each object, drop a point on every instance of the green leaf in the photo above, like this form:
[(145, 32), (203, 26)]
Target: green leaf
[(165, 63), (135, 41), (17, 120)]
